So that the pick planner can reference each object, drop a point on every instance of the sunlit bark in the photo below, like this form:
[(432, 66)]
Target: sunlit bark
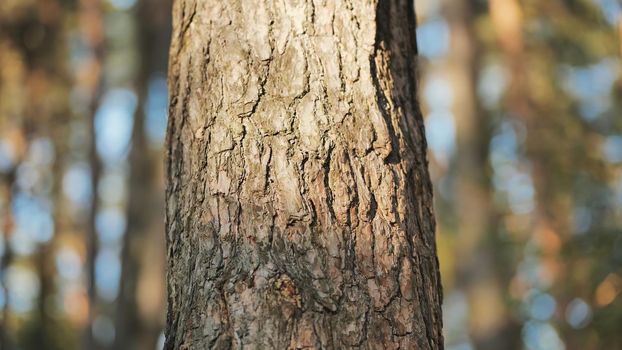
[(299, 206)]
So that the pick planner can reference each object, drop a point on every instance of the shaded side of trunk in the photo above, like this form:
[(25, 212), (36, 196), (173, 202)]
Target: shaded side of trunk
[(299, 206), (490, 324)]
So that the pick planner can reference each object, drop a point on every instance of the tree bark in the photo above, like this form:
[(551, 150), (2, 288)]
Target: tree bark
[(299, 205)]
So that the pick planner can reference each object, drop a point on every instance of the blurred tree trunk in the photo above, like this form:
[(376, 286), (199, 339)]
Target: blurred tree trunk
[(43, 334), (299, 206), (140, 315), (6, 217), (545, 135), (10, 108), (33, 87), (490, 324), (92, 29)]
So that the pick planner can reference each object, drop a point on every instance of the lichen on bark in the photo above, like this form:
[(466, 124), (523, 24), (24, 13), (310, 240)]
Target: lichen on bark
[(299, 206)]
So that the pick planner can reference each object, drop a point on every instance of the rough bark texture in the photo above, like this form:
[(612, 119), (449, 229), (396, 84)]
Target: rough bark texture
[(299, 206)]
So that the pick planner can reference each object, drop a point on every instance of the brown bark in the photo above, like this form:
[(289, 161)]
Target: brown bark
[(299, 206)]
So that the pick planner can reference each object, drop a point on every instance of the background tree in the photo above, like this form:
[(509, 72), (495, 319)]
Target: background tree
[(546, 85), (141, 302), (33, 87), (66, 104), (477, 258)]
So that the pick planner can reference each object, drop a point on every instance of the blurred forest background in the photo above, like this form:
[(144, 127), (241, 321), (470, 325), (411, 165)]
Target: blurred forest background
[(523, 108)]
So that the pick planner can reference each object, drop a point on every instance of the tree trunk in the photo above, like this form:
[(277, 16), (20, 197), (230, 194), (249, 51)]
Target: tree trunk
[(299, 206), (140, 316), (478, 266), (91, 26)]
